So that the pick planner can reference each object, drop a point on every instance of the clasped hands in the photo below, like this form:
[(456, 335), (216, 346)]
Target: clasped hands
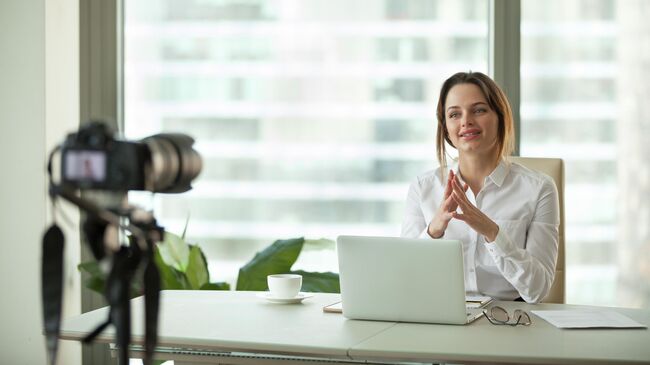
[(454, 198)]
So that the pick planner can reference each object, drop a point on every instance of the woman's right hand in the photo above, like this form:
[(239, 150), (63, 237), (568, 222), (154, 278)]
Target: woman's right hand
[(440, 221)]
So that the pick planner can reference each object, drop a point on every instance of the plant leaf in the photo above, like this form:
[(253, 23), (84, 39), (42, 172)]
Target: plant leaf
[(95, 284), (319, 244), (197, 269), (187, 221), (174, 251), (319, 282), (275, 259), (216, 286), (170, 278), (96, 281), (92, 268)]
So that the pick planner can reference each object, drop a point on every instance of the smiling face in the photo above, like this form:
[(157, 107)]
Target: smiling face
[(471, 123)]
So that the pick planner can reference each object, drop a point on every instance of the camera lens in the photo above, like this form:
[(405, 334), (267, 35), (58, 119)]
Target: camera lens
[(174, 163)]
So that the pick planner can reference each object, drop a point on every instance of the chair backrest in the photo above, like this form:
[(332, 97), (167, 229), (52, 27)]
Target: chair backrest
[(554, 167)]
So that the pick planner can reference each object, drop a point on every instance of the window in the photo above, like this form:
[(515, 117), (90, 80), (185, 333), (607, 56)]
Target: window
[(312, 116), (582, 100)]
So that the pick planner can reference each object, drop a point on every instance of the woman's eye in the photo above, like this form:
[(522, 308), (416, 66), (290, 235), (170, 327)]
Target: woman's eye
[(453, 115), (479, 111)]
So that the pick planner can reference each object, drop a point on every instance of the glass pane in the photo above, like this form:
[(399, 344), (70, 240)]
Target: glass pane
[(312, 116), (582, 100)]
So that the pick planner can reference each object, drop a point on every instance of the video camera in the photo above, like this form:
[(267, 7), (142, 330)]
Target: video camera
[(93, 159)]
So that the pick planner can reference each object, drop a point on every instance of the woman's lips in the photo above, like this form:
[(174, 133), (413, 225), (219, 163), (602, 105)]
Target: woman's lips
[(470, 135)]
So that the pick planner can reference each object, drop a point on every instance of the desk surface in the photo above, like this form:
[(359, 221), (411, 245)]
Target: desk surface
[(242, 322), (540, 343), (239, 321)]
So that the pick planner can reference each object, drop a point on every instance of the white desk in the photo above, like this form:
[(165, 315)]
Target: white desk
[(540, 343), (220, 326), (239, 322)]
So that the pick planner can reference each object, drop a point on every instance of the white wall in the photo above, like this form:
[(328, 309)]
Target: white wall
[(32, 110), (61, 118)]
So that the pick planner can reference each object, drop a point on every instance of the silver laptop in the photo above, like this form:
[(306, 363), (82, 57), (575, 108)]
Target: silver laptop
[(403, 280)]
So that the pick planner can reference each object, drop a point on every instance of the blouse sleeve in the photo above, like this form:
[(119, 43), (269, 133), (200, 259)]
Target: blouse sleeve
[(531, 269), (413, 224)]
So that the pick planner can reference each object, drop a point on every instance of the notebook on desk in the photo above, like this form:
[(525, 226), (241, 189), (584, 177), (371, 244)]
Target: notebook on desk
[(404, 280)]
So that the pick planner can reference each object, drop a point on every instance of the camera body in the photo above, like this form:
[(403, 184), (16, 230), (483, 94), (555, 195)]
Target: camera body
[(92, 159)]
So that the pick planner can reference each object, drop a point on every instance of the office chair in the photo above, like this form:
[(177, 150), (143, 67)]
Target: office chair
[(554, 167)]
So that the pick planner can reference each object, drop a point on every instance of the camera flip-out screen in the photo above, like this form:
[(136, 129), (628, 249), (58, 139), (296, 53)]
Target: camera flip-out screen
[(84, 165)]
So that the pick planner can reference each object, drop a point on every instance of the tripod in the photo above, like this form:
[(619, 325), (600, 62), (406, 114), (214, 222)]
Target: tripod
[(125, 264)]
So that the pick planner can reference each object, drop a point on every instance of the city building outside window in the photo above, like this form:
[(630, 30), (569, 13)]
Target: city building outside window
[(313, 116), (582, 99)]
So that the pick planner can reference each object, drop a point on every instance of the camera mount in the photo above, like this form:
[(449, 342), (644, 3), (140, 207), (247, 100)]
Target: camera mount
[(126, 261)]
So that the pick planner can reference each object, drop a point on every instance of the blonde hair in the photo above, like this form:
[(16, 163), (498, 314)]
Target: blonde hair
[(496, 99)]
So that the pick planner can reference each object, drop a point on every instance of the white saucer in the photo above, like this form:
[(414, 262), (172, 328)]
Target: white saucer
[(297, 299)]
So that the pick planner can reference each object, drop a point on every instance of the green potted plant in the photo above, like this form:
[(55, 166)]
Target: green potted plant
[(183, 266)]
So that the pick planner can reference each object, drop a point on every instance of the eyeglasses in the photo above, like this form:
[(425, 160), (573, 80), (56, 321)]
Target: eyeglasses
[(500, 316)]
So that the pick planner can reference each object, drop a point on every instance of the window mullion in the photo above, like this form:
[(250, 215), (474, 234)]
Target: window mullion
[(504, 54)]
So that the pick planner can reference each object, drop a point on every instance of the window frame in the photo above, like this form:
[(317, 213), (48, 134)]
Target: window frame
[(504, 59), (101, 57)]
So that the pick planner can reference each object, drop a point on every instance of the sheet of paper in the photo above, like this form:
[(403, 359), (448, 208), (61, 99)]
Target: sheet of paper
[(587, 319), (476, 301), (477, 298), (334, 308)]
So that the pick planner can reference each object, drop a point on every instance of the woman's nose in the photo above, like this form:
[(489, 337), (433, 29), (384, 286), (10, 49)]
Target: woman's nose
[(467, 120)]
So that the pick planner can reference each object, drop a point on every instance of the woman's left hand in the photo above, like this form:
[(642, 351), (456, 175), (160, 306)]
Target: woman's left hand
[(473, 216)]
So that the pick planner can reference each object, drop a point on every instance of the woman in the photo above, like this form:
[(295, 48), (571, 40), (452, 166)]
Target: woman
[(505, 215)]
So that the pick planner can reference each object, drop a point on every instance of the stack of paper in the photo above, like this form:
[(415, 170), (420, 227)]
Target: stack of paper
[(476, 301), (587, 319)]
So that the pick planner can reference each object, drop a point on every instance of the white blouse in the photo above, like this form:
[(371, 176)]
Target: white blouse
[(524, 203)]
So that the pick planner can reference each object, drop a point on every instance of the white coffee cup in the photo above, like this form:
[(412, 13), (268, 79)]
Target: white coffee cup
[(284, 286)]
